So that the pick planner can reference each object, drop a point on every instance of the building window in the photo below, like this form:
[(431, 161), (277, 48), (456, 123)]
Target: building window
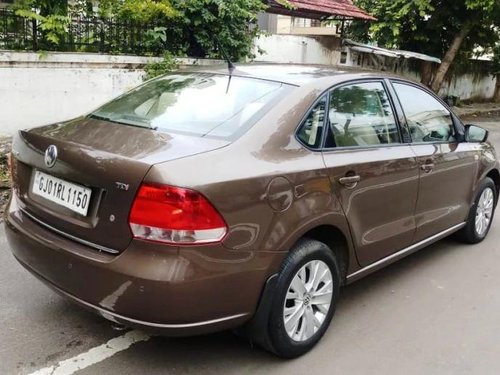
[(315, 23), (343, 57)]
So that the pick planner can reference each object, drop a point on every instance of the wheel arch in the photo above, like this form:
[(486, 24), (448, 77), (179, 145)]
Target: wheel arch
[(495, 176), (337, 241)]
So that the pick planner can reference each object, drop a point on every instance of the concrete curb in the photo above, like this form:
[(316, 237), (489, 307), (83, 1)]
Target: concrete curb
[(477, 110)]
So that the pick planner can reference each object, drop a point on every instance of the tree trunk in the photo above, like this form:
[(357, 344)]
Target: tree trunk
[(426, 73), (449, 57)]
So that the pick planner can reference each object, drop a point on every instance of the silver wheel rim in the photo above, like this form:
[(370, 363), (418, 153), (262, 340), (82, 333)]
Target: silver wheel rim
[(308, 300), (484, 211)]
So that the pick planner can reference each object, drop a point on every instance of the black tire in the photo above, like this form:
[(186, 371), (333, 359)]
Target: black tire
[(303, 253), (469, 234)]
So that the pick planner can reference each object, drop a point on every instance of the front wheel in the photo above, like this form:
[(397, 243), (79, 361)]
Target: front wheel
[(306, 295), (481, 214)]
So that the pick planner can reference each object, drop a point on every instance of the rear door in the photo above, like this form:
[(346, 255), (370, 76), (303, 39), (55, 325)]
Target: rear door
[(372, 171), (447, 166)]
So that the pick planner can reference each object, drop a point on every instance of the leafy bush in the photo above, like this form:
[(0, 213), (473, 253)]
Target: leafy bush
[(51, 17), (155, 69), (146, 10)]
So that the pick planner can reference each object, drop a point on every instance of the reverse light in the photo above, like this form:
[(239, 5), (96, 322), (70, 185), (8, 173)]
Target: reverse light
[(174, 215)]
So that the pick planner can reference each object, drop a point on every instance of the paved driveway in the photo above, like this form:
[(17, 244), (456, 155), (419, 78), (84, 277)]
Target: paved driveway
[(435, 312)]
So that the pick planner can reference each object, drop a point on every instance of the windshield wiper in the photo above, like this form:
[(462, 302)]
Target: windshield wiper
[(122, 121)]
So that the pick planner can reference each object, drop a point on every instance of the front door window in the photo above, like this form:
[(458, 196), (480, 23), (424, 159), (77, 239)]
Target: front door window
[(428, 120)]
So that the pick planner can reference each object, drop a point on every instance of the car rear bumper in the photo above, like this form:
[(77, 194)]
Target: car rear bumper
[(172, 291)]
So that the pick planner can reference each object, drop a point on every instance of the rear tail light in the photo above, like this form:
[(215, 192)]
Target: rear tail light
[(169, 214)]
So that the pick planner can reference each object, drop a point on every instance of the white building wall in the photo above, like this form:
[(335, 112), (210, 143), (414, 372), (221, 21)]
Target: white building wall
[(37, 89), (295, 49), (31, 97), (470, 86)]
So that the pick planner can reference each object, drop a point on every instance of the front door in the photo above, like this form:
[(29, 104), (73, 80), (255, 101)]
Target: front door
[(447, 167), (372, 172)]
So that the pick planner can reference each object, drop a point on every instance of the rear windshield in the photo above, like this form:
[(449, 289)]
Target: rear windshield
[(196, 104)]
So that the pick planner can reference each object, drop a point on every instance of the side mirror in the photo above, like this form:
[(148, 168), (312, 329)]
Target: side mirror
[(474, 133)]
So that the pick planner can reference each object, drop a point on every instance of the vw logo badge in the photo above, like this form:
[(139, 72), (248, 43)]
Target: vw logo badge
[(50, 156)]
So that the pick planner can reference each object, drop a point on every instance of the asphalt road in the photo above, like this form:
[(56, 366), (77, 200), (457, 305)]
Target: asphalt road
[(435, 312)]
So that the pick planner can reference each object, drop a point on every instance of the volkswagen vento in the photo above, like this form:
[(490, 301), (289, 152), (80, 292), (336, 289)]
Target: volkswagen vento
[(209, 199)]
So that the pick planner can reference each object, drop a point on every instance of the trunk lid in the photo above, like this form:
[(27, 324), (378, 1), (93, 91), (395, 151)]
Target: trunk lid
[(108, 158)]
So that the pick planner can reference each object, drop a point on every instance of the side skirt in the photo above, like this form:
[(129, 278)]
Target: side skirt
[(401, 254)]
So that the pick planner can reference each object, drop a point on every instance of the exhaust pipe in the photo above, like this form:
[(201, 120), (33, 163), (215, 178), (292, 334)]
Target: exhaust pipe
[(118, 327)]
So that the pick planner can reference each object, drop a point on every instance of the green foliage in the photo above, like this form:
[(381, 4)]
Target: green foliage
[(155, 69), (146, 10), (156, 38), (44, 7), (393, 17), (54, 26), (81, 8), (190, 26), (179, 27), (109, 8), (286, 4), (50, 15), (429, 26), (496, 59), (233, 22)]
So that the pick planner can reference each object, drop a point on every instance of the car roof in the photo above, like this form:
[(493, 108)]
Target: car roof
[(292, 74)]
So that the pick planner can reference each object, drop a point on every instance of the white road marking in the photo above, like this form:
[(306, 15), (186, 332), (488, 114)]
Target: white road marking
[(94, 355)]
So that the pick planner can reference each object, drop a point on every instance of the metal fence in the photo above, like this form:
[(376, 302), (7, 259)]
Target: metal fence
[(81, 35)]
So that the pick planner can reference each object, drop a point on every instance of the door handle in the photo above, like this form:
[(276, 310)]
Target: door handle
[(427, 168), (349, 181)]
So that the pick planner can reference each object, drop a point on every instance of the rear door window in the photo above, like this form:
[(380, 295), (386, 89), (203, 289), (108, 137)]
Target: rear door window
[(311, 131), (360, 114), (428, 120)]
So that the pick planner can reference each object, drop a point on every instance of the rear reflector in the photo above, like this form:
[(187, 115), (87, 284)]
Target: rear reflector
[(169, 214)]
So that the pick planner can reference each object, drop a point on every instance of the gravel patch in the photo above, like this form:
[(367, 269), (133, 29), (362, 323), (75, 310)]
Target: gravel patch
[(5, 146)]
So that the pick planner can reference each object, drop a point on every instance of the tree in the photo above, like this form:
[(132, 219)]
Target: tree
[(496, 69), (233, 23), (448, 28), (478, 14)]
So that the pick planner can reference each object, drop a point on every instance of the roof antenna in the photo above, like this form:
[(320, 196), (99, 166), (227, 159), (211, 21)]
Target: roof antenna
[(230, 64)]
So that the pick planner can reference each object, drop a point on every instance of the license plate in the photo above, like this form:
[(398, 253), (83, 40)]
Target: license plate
[(67, 194)]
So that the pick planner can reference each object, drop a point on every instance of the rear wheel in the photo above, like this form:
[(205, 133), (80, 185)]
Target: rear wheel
[(481, 214), (306, 294)]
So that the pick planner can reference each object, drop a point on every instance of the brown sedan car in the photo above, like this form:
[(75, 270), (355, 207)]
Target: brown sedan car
[(204, 200)]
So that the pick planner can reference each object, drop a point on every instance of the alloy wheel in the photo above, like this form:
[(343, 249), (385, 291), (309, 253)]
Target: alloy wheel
[(308, 300), (484, 211)]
